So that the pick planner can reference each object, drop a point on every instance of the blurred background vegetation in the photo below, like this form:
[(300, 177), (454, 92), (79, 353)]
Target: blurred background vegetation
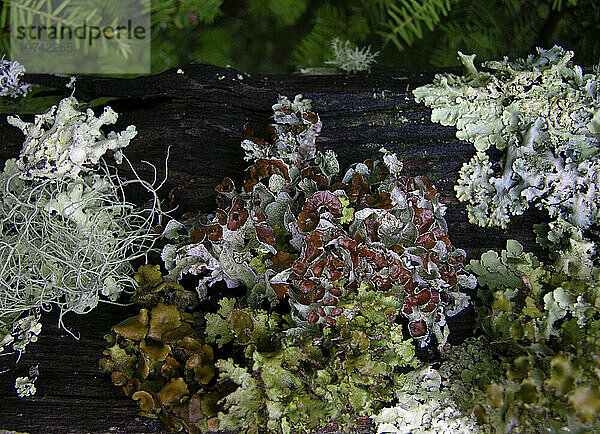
[(281, 35)]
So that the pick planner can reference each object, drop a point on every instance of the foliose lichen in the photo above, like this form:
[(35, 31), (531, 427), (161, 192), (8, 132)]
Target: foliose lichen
[(441, 400), (543, 114), (11, 73), (534, 366), (160, 360), (298, 230), (66, 141), (544, 329), (344, 273), (266, 379), (25, 386)]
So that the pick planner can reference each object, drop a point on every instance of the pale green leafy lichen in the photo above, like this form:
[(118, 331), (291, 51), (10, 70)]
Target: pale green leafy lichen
[(423, 408), (541, 112), (25, 386), (545, 329)]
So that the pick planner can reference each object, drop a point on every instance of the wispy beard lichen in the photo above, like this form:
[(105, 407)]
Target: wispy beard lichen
[(66, 230)]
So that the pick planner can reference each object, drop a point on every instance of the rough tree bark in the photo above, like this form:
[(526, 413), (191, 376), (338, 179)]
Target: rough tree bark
[(200, 115)]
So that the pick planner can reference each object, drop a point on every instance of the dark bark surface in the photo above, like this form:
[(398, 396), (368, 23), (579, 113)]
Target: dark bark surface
[(200, 115)]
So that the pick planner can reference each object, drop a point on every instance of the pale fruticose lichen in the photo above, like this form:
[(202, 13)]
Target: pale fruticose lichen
[(301, 231), (66, 142), (66, 230), (424, 406), (10, 79), (441, 400), (543, 114), (350, 58)]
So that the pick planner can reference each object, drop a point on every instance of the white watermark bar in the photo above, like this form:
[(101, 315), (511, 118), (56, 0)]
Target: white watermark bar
[(60, 37)]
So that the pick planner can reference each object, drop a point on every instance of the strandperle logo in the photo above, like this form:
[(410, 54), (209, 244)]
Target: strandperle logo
[(74, 38), (83, 32)]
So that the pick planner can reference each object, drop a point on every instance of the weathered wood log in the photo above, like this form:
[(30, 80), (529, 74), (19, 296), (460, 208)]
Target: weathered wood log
[(199, 115)]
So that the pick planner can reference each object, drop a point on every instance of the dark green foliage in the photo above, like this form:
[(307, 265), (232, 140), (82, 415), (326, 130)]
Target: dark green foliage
[(280, 35), (406, 19), (58, 14)]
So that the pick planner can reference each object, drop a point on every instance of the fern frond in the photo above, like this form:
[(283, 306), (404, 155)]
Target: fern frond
[(492, 30), (65, 14), (285, 12), (407, 17), (313, 49)]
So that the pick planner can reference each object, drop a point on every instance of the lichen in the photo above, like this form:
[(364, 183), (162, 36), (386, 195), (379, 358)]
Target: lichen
[(66, 230), (544, 328), (350, 58), (344, 272), (542, 113), (298, 230), (348, 372), (25, 386), (65, 141), (11, 73)]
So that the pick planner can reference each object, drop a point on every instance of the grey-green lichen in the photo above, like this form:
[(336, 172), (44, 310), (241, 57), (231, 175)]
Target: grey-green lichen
[(543, 114), (350, 58), (11, 85), (344, 272), (540, 322), (25, 386), (66, 141), (66, 230), (545, 329)]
